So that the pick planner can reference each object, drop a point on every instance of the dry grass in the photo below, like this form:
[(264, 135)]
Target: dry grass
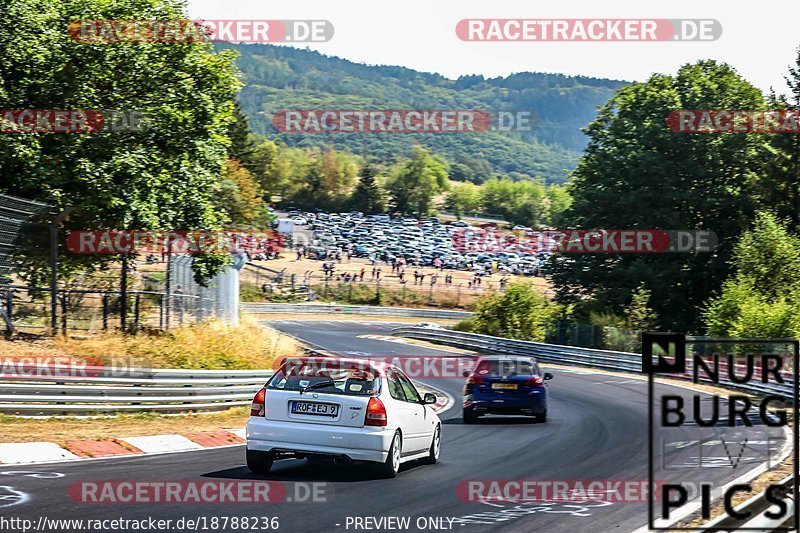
[(759, 485), (211, 345), (16, 429)]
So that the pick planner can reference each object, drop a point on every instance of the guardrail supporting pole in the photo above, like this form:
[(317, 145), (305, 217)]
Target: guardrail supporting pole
[(168, 301), (105, 312), (10, 302), (64, 313), (123, 287), (137, 301), (54, 278)]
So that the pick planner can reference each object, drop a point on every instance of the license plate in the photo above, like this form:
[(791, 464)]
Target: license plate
[(314, 408), (504, 385)]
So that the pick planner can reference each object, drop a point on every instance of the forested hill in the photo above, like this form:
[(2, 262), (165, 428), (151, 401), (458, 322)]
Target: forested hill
[(281, 77)]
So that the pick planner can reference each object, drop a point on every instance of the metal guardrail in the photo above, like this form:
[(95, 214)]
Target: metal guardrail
[(264, 307), (41, 391), (558, 354), (169, 390), (607, 360)]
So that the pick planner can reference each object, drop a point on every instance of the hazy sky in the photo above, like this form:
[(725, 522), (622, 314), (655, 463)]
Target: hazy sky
[(759, 39)]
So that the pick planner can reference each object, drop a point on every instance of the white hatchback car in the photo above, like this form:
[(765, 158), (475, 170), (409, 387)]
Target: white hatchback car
[(347, 409)]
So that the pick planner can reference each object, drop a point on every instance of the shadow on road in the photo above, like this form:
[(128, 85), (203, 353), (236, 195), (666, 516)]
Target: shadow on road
[(493, 421), (303, 470)]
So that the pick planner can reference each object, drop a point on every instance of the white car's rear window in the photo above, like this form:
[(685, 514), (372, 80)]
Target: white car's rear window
[(347, 381)]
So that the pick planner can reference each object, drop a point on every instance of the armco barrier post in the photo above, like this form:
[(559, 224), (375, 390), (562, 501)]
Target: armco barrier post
[(105, 312), (64, 313), (168, 288), (137, 302), (123, 286)]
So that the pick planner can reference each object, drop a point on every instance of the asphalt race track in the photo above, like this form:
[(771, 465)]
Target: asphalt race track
[(597, 430)]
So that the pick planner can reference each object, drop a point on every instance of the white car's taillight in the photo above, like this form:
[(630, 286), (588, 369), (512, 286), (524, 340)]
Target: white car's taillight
[(257, 407), (376, 413)]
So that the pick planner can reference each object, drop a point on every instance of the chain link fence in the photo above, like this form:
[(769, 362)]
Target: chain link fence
[(593, 336), (125, 293)]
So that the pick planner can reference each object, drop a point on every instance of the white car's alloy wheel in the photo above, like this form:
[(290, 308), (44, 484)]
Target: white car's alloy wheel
[(396, 445)]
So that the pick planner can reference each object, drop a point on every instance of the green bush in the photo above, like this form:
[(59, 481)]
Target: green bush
[(520, 312), (762, 299)]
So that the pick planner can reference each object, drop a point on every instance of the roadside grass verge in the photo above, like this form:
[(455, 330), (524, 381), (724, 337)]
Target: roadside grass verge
[(18, 429), (211, 345)]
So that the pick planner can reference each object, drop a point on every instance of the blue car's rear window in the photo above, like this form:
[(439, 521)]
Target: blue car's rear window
[(505, 367)]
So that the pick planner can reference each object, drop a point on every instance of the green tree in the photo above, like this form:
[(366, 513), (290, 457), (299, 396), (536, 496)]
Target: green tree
[(463, 198), (415, 183), (243, 146), (780, 188), (769, 255), (558, 201), (637, 173), (319, 179), (163, 177), (266, 166), (368, 195), (763, 296), (519, 202), (519, 312), (240, 197), (639, 316)]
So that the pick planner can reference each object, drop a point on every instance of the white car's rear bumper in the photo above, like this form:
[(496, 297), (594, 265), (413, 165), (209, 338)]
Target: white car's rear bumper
[(359, 444)]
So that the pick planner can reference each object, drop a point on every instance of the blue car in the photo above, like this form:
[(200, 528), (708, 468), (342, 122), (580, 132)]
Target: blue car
[(506, 385)]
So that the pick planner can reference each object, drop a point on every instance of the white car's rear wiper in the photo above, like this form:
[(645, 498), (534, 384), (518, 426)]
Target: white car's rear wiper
[(317, 385)]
